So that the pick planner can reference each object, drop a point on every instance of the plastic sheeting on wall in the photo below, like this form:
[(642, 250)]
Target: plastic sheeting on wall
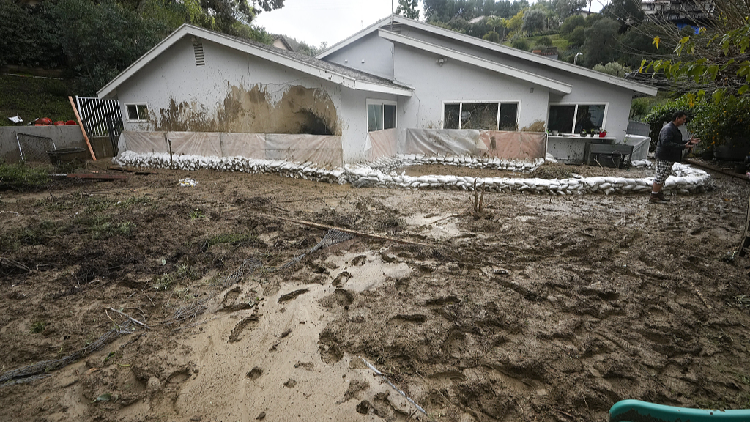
[(482, 143), (321, 150), (382, 143), (195, 143), (514, 145), (640, 146)]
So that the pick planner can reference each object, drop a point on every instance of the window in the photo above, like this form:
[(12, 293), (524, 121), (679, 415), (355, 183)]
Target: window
[(137, 111), (574, 118), (380, 115), (481, 116)]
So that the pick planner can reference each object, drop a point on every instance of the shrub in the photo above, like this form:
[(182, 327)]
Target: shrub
[(662, 114), (613, 68), (720, 120), (715, 120), (544, 41), (492, 36), (520, 44), (639, 108)]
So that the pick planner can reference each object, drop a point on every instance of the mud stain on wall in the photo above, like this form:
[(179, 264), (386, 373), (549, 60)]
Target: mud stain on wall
[(192, 117), (300, 110)]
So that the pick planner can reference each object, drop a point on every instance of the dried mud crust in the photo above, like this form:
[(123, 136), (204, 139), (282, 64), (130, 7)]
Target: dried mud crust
[(536, 308)]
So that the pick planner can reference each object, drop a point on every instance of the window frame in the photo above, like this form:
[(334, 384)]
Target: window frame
[(137, 110), (575, 113), (373, 101), (497, 118)]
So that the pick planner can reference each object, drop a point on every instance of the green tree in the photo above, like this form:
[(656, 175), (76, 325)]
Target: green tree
[(571, 23), (601, 43), (577, 37), (626, 12), (29, 36), (516, 22), (566, 8), (533, 21), (101, 40), (713, 68), (408, 8)]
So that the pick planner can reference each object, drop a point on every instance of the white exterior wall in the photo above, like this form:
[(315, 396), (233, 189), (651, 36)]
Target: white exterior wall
[(371, 54), (174, 75), (455, 81), (584, 90), (354, 115)]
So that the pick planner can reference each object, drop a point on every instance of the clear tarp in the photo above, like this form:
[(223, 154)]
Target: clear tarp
[(514, 145), (321, 150), (382, 143), (640, 146), (481, 143)]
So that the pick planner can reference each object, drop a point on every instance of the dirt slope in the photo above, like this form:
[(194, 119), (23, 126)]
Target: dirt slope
[(538, 308)]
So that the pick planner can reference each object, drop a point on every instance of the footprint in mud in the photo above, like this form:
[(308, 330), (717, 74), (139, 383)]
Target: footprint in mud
[(355, 387), (304, 365), (230, 304), (343, 297), (255, 373), (293, 295), (448, 300), (359, 260), (231, 296), (340, 297), (250, 322), (415, 318), (328, 347), (342, 278)]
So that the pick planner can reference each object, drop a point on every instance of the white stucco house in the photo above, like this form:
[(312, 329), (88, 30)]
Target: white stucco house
[(398, 86)]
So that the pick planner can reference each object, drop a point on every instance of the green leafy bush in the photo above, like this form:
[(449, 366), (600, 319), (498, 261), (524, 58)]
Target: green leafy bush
[(520, 44), (722, 119), (613, 68), (716, 120), (544, 41), (659, 115)]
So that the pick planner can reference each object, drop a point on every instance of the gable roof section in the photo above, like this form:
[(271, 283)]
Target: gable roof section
[(337, 74), (520, 54), (553, 85)]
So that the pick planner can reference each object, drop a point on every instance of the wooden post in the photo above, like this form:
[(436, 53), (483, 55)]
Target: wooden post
[(80, 124)]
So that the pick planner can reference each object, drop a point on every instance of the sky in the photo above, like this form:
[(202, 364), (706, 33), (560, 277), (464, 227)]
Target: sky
[(331, 21)]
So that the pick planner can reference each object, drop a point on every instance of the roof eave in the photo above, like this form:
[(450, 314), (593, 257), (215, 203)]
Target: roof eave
[(278, 58), (551, 84), (582, 71), (341, 44)]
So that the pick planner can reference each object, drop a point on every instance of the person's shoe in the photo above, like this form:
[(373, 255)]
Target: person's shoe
[(658, 198)]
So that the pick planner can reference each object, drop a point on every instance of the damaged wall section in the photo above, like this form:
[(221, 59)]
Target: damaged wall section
[(300, 110)]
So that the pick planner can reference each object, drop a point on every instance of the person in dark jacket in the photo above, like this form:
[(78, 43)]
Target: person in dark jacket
[(669, 151)]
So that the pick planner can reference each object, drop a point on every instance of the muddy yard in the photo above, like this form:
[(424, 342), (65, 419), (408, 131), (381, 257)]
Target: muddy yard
[(149, 301)]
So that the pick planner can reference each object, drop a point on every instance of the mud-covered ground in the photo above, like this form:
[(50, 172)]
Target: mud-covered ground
[(537, 308)]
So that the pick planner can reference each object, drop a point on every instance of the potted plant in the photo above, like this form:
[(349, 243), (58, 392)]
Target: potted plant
[(603, 133), (583, 133)]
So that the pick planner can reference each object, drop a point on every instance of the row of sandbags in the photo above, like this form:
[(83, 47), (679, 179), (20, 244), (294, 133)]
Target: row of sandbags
[(382, 174)]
